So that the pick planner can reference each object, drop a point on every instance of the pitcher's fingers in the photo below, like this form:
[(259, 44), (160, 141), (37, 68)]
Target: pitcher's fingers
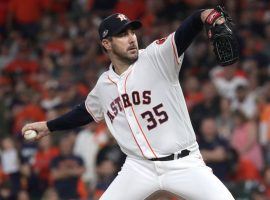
[(26, 127), (41, 135)]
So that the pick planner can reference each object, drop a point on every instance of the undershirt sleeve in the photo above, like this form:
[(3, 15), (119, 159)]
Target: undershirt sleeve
[(75, 118)]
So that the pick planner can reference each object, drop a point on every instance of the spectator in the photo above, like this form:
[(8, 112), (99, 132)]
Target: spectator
[(214, 149), (111, 151), (192, 91), (6, 192), (5, 56), (133, 9), (26, 15), (208, 107), (23, 63), (104, 6), (109, 161), (244, 140), (11, 164), (41, 162), (224, 120), (245, 102), (50, 194), (57, 6), (241, 169), (266, 180), (51, 99), (150, 16), (226, 80), (23, 195), (258, 193), (27, 151), (29, 112), (5, 99), (29, 181), (86, 146), (264, 117), (3, 17), (66, 171)]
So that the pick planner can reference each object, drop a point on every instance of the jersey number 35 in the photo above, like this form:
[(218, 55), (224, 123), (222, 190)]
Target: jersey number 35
[(157, 115)]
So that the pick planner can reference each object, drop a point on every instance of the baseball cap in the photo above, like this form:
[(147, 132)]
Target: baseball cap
[(115, 24)]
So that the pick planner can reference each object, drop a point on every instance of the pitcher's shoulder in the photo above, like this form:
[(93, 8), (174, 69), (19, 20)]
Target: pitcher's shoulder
[(103, 76)]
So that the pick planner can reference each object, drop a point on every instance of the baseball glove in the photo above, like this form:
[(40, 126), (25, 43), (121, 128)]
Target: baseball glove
[(222, 36)]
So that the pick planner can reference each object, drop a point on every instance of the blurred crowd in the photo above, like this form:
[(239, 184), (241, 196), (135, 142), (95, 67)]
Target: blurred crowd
[(50, 58)]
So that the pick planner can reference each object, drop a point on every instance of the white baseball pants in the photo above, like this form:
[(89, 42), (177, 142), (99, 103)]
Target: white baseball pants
[(186, 177)]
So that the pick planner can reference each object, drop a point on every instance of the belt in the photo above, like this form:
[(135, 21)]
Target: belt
[(173, 156)]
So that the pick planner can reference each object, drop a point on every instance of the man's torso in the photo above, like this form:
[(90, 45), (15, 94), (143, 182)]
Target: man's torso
[(144, 107)]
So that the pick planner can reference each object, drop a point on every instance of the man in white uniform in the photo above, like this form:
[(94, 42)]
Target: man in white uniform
[(141, 100)]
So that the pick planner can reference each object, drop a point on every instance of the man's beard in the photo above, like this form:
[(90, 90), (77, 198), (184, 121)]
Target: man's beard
[(124, 57)]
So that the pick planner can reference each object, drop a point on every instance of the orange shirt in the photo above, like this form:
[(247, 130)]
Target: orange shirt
[(134, 9), (26, 11), (246, 170), (265, 114), (30, 112), (56, 6), (25, 66), (193, 99), (55, 47), (148, 20), (42, 162), (3, 11), (268, 191), (265, 118)]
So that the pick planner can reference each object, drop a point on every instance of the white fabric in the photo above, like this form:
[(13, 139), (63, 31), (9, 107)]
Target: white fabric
[(153, 123), (226, 88), (248, 106), (186, 177), (87, 147), (10, 161), (156, 71)]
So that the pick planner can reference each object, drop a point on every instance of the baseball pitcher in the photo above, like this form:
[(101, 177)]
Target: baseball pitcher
[(142, 102)]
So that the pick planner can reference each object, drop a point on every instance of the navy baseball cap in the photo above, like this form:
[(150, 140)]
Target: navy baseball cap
[(115, 24)]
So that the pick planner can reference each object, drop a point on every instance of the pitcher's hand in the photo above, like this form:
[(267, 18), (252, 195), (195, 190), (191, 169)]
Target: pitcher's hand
[(40, 127)]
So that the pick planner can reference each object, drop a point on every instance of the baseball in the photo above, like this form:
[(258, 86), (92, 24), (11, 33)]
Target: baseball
[(30, 134)]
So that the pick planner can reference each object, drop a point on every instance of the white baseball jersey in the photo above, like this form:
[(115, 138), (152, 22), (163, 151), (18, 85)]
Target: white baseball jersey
[(144, 107)]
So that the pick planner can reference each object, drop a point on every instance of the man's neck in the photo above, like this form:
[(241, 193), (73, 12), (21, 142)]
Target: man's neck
[(120, 69), (119, 66)]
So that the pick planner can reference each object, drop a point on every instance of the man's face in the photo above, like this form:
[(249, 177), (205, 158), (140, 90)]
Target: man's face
[(124, 46), (208, 128)]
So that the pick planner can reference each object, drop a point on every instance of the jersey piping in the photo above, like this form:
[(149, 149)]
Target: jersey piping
[(174, 51), (91, 113), (137, 120), (128, 122)]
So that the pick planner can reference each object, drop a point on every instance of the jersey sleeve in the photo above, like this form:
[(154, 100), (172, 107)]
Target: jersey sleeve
[(93, 105), (163, 55)]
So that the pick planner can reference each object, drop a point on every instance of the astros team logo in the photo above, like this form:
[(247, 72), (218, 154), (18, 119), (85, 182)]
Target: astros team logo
[(121, 17)]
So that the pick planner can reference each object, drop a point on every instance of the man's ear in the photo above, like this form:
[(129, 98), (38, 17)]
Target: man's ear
[(106, 44)]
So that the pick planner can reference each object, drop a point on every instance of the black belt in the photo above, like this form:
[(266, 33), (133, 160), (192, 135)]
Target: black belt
[(182, 154)]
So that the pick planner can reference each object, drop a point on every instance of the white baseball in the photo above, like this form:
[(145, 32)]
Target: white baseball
[(30, 134)]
